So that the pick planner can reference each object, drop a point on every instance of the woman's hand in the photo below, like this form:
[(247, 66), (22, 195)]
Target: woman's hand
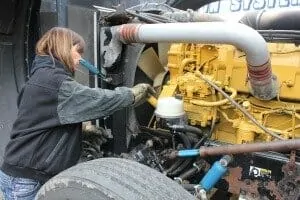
[(141, 92)]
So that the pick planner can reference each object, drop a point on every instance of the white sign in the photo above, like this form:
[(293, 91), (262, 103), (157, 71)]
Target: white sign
[(234, 8)]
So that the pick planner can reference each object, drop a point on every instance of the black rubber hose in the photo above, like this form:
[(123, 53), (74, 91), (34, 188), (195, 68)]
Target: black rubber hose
[(201, 141), (186, 128), (188, 173), (275, 20), (178, 163), (174, 166), (187, 162), (189, 187), (192, 137), (280, 35), (181, 167), (185, 139), (143, 17)]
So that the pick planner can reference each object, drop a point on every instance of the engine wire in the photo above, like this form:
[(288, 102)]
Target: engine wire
[(143, 17), (245, 112)]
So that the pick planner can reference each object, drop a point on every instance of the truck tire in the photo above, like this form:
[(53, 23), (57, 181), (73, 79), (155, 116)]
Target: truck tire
[(112, 178)]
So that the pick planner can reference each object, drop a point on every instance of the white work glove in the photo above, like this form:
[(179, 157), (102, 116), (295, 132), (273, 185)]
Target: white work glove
[(90, 129), (141, 92)]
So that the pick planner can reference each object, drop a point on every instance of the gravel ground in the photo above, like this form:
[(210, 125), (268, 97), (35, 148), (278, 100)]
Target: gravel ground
[(1, 197)]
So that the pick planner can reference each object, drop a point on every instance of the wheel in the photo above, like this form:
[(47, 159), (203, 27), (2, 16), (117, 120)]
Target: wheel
[(112, 178)]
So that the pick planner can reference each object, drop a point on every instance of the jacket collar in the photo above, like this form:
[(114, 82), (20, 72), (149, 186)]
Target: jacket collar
[(42, 61)]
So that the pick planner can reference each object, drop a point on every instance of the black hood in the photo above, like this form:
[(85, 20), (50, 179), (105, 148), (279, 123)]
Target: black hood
[(47, 61)]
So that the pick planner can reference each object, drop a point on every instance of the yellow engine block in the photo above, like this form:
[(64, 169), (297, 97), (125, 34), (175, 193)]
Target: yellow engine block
[(226, 66)]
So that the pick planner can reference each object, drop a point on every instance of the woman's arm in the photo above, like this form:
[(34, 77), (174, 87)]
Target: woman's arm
[(79, 103)]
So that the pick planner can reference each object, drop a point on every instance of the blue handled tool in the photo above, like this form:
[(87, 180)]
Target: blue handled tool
[(94, 70), (89, 66)]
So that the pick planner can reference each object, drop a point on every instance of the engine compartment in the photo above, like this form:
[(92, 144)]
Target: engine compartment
[(258, 175), (261, 107)]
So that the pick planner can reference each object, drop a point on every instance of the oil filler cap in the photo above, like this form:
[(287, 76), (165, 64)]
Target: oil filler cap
[(169, 107)]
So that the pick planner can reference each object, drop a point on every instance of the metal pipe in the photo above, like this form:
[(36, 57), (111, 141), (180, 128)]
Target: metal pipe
[(277, 146), (189, 173), (95, 44), (233, 102), (236, 34), (263, 82), (215, 103), (188, 153), (283, 145)]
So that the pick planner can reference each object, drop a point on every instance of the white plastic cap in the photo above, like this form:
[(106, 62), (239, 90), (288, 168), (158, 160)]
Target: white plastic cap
[(169, 107)]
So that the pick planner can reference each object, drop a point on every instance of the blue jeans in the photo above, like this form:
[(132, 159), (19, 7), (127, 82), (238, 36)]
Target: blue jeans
[(18, 188)]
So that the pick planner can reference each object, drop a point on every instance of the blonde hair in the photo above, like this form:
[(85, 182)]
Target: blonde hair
[(57, 43)]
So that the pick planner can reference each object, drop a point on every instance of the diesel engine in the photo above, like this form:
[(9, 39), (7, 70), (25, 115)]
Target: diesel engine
[(225, 121), (226, 67)]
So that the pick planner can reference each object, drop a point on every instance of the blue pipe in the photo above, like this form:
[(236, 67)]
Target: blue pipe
[(188, 153), (216, 172)]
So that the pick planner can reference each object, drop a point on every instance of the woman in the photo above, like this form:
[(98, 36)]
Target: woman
[(46, 136)]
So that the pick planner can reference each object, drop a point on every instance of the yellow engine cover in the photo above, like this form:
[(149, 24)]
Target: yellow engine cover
[(226, 66)]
